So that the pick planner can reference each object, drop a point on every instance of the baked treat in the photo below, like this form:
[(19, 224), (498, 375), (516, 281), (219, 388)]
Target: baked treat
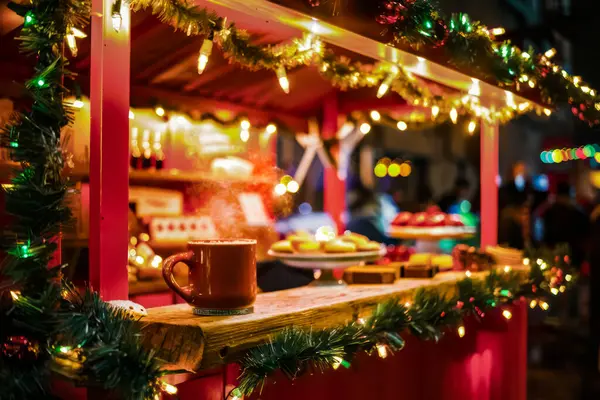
[(339, 246), (419, 260), (369, 246), (402, 219), (306, 246), (355, 238), (283, 246), (443, 262)]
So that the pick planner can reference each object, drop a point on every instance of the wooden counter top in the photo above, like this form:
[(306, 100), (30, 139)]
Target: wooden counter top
[(190, 342)]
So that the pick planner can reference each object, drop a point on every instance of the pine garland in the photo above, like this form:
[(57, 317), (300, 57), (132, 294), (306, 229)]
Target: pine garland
[(46, 327), (296, 351)]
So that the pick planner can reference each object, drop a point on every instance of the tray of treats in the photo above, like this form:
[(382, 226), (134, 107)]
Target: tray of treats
[(302, 250), (429, 225)]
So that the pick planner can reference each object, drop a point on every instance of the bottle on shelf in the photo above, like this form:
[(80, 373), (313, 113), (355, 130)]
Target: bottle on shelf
[(159, 155), (147, 150), (136, 154)]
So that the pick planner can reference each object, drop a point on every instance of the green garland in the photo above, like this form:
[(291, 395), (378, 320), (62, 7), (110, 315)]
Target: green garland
[(47, 329), (468, 46), (296, 351)]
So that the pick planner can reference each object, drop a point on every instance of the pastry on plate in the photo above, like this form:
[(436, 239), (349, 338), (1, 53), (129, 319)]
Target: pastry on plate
[(355, 238), (369, 246), (306, 246), (339, 246), (283, 246)]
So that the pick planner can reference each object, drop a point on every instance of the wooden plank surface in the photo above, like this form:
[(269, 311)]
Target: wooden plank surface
[(190, 342)]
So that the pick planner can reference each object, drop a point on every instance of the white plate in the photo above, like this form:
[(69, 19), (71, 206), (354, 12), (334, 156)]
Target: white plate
[(328, 260), (431, 233)]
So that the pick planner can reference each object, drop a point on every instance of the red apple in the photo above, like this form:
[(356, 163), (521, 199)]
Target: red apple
[(402, 219), (433, 209), (454, 220), (436, 219), (418, 219)]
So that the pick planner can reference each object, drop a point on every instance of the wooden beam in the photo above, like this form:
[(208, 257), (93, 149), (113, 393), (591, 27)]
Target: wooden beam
[(188, 342), (208, 76), (165, 66), (141, 97), (109, 152)]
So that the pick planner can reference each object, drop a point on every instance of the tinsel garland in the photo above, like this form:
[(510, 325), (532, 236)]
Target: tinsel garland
[(429, 316), (422, 27), (47, 329)]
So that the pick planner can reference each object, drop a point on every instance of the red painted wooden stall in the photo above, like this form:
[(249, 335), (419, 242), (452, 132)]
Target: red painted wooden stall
[(145, 60)]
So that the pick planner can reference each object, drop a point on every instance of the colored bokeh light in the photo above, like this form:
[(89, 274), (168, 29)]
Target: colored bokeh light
[(393, 170), (380, 170), (405, 169), (556, 156)]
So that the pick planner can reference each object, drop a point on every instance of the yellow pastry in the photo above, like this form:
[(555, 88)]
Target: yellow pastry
[(311, 246), (369, 246), (296, 238), (358, 240), (420, 260), (443, 262), (339, 246), (283, 246)]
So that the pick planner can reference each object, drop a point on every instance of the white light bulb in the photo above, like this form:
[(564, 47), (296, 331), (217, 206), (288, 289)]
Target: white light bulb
[(402, 125), (244, 135), (365, 128), (78, 103), (280, 189), (293, 187), (205, 52), (454, 115), (271, 129), (375, 116), (283, 80)]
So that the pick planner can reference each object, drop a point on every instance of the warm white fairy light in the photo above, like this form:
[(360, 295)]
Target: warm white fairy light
[(72, 43), (365, 128), (525, 55), (461, 331), (271, 129), (507, 314), (283, 79), (116, 18), (524, 106), (453, 115), (15, 294), (545, 306), (510, 99), (205, 52), (533, 304), (562, 289), (548, 112), (382, 351), (245, 124), (168, 388), (131, 115), (475, 89), (554, 291), (468, 274), (280, 189), (385, 85), (576, 80), (539, 261), (472, 126), (568, 278), (375, 115), (507, 269), (550, 53), (244, 135), (498, 31), (292, 186), (159, 111), (435, 111), (402, 125), (77, 103)]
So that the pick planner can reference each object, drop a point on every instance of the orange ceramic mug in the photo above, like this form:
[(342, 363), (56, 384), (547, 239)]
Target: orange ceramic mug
[(222, 276)]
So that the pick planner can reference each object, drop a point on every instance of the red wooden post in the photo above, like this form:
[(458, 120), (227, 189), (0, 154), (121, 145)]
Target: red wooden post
[(109, 151), (334, 189), (489, 183)]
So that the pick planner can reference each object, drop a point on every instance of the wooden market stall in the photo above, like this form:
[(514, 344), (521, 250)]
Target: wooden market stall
[(134, 61)]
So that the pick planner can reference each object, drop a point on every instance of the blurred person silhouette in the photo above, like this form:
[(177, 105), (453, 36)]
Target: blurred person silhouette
[(565, 222), (513, 229), (458, 193)]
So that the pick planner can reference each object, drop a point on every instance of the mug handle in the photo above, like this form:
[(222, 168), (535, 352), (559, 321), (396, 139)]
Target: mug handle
[(167, 272)]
